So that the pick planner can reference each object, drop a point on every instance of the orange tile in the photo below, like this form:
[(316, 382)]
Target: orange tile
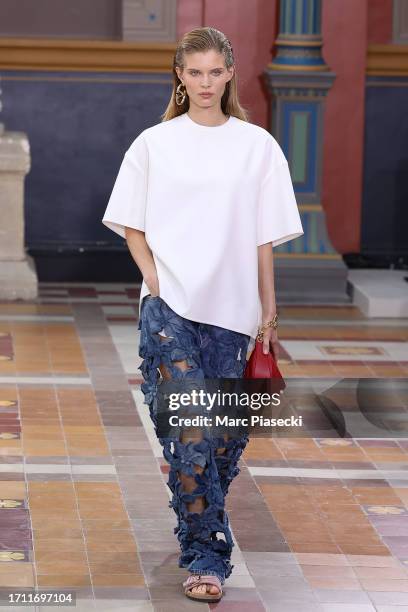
[(94, 440), (88, 489), (363, 549), (345, 513), (287, 520), (50, 513), (298, 536), (81, 429), (44, 448), (96, 525), (111, 504), (14, 574), (42, 503), (86, 451), (117, 580), (375, 495), (63, 544), (388, 371), (384, 455), (64, 580), (51, 562), (102, 542), (364, 531), (10, 489), (41, 487), (115, 512), (55, 527), (10, 449), (115, 563), (360, 371), (7, 368), (289, 370), (317, 370), (262, 448), (34, 428), (324, 547)]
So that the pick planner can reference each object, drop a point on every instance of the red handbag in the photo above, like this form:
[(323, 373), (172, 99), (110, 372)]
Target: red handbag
[(261, 365)]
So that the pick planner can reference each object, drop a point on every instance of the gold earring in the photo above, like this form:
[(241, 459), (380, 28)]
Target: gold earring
[(180, 95)]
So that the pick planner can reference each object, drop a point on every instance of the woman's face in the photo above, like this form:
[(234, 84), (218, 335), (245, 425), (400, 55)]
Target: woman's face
[(205, 72)]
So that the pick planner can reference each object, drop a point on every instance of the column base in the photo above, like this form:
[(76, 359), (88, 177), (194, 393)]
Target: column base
[(18, 280)]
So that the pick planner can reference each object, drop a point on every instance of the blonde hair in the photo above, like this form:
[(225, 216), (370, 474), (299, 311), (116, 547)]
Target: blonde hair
[(204, 39)]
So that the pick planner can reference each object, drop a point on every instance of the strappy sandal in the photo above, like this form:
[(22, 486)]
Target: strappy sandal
[(195, 580)]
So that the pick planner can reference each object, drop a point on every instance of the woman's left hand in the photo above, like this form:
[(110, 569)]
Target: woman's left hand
[(270, 341)]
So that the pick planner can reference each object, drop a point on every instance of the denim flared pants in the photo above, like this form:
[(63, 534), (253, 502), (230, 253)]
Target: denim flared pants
[(210, 352)]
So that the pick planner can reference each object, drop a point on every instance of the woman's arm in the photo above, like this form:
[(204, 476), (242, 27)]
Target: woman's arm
[(143, 257), (266, 287)]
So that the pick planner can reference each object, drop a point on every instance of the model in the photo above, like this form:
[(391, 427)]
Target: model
[(202, 198)]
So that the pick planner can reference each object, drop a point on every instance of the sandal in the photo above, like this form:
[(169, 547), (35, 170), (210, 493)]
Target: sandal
[(195, 580)]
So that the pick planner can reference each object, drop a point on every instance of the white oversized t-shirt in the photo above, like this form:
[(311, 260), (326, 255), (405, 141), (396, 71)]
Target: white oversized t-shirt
[(206, 198)]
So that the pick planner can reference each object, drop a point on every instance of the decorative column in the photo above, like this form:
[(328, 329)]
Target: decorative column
[(18, 279), (298, 80)]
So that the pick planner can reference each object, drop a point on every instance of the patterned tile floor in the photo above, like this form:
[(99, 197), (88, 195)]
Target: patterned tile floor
[(319, 525)]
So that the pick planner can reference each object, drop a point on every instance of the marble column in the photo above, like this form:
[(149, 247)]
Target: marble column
[(18, 279), (298, 81)]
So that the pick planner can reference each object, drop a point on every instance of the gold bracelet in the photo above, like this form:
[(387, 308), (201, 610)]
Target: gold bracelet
[(273, 323)]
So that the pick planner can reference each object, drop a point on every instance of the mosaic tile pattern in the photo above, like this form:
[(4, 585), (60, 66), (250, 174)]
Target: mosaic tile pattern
[(319, 524)]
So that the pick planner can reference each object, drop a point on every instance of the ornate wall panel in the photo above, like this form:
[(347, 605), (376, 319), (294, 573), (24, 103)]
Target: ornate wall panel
[(149, 20)]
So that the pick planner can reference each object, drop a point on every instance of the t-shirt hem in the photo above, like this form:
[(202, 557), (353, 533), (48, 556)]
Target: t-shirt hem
[(207, 321), (119, 228), (282, 240)]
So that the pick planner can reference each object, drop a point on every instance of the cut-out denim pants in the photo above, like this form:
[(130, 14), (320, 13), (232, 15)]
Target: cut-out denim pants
[(210, 352)]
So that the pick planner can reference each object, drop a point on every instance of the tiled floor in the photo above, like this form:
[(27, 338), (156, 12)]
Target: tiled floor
[(319, 524)]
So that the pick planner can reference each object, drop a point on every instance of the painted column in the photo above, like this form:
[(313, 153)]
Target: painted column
[(18, 279), (298, 81)]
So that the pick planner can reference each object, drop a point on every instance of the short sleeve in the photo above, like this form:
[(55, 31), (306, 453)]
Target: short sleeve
[(127, 203), (278, 214)]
